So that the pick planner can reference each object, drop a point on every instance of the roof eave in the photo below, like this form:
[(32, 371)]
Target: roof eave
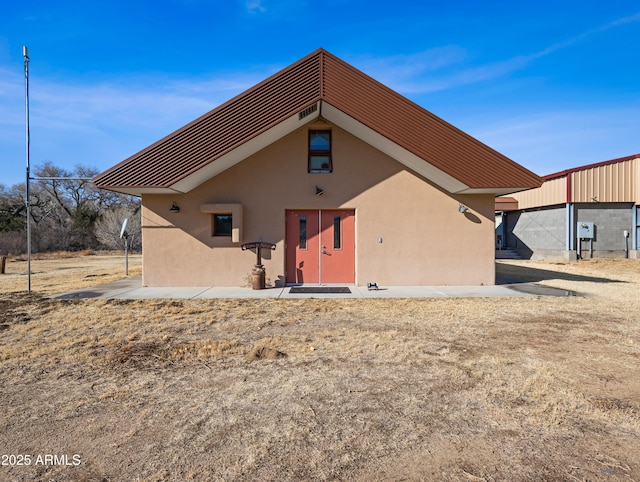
[(336, 117), (503, 191), (247, 149), (393, 150), (572, 170), (138, 191), (450, 165)]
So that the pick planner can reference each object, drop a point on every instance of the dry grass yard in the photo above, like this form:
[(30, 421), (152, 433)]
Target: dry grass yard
[(60, 272), (539, 388)]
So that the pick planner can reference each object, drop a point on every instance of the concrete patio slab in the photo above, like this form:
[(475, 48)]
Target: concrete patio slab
[(108, 290), (439, 292), (131, 289), (231, 292)]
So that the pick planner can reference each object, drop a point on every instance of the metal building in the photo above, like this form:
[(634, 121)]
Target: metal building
[(587, 211)]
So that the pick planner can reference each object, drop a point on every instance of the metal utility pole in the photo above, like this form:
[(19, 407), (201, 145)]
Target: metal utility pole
[(25, 54)]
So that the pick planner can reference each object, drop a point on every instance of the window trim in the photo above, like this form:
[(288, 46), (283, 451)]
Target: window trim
[(303, 239), (337, 233), (235, 210), (319, 152)]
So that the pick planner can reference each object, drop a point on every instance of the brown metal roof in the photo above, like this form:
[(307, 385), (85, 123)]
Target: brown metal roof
[(419, 131), (319, 76), (506, 204), (590, 166)]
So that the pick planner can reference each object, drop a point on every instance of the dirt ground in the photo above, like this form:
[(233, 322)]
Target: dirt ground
[(539, 388)]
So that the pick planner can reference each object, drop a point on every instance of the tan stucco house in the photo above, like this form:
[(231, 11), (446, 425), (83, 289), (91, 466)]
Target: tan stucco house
[(351, 181)]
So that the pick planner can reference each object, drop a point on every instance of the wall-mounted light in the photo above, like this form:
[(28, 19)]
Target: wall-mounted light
[(463, 209), (174, 208), (319, 191)]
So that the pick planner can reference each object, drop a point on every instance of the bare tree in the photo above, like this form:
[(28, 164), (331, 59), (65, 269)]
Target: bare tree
[(108, 228), (64, 211), (74, 201)]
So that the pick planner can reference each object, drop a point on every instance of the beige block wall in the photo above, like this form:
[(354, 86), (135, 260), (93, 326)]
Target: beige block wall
[(425, 240)]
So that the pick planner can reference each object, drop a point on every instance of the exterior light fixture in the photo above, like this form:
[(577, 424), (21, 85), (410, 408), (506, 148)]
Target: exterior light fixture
[(463, 209), (319, 191), (174, 208)]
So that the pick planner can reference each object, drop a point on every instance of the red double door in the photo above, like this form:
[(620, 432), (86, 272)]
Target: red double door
[(320, 246)]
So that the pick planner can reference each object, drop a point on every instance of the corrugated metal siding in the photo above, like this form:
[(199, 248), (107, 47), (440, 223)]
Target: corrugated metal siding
[(221, 130), (617, 182), (636, 175), (553, 191), (418, 130), (317, 76)]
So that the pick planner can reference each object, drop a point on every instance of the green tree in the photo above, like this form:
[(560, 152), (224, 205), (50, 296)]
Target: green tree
[(12, 210)]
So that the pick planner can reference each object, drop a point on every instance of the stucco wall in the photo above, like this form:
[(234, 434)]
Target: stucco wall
[(425, 240)]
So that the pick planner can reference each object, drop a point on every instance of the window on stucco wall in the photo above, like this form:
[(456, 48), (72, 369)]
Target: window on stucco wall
[(226, 222), (222, 224), (320, 151)]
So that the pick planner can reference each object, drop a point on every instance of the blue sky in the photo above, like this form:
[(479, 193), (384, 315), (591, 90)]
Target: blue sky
[(552, 85)]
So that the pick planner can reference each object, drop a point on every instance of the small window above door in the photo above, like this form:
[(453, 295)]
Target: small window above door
[(320, 152)]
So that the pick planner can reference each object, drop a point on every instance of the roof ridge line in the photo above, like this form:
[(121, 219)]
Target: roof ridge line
[(321, 66), (571, 170), (325, 78)]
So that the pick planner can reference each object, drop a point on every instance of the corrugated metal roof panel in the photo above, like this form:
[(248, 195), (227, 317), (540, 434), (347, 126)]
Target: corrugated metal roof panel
[(221, 130), (319, 76), (506, 204), (418, 130), (591, 166)]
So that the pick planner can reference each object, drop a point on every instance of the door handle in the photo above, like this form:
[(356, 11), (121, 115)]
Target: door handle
[(324, 251)]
